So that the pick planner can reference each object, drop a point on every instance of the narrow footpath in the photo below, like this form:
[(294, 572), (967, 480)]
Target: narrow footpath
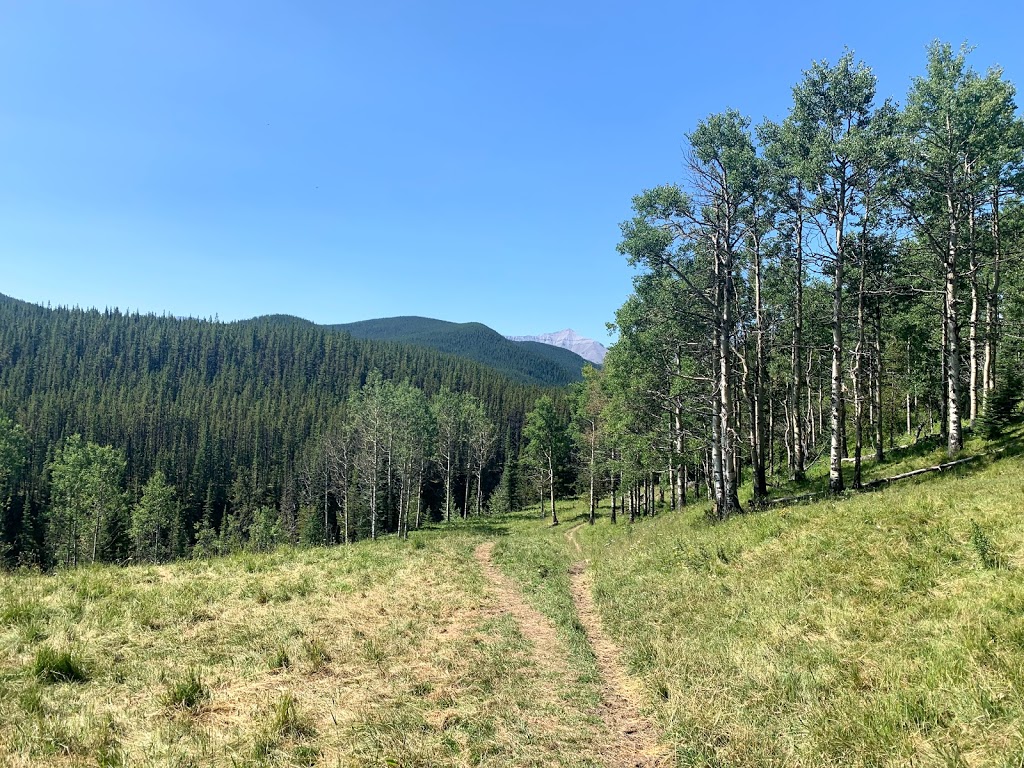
[(621, 699), (632, 738), (532, 623)]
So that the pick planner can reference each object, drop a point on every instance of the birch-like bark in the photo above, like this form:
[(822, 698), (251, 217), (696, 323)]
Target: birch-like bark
[(879, 363), (954, 435), (858, 380), (836, 450), (973, 350), (757, 426), (551, 477), (798, 456), (992, 302)]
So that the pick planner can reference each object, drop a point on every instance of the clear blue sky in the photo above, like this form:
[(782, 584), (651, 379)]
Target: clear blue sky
[(341, 161)]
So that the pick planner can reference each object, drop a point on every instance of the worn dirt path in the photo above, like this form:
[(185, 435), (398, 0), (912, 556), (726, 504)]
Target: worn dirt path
[(632, 741), (637, 737), (532, 623)]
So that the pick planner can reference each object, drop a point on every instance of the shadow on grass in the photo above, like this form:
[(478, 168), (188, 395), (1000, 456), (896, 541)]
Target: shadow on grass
[(1009, 444)]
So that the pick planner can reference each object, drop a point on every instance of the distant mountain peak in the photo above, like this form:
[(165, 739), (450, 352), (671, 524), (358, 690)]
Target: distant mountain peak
[(530, 363), (588, 349)]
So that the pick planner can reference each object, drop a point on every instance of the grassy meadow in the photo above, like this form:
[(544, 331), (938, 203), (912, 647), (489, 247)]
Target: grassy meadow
[(885, 629), (383, 653), (882, 629)]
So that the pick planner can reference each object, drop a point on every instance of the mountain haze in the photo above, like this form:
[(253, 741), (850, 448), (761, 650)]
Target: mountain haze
[(588, 349)]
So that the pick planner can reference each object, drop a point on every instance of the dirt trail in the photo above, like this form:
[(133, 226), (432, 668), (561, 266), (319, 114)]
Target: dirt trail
[(532, 623), (633, 739), (637, 737)]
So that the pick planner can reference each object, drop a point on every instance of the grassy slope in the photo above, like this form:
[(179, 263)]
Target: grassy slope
[(866, 631), (929, 451), (384, 653)]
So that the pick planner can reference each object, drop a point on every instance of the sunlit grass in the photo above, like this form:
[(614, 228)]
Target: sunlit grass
[(381, 653), (881, 629), (878, 629)]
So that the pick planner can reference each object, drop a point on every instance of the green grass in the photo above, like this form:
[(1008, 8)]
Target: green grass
[(53, 666), (882, 629), (929, 451), (879, 629), (188, 693), (386, 652)]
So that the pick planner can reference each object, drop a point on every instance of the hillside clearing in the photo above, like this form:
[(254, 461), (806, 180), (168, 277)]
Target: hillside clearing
[(884, 629), (377, 654)]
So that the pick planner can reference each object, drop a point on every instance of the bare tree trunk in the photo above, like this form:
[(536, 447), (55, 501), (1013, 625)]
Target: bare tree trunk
[(677, 453), (465, 492), (551, 476), (717, 460), (992, 303), (787, 434), (757, 425), (593, 473), (419, 494), (879, 436), (373, 493), (408, 508), (673, 502), (389, 500), (401, 508), (837, 449), (821, 400), (682, 486), (448, 487), (954, 436), (944, 357), (973, 357), (730, 486), (798, 456), (615, 511), (858, 380), (327, 485), (909, 425), (344, 509)]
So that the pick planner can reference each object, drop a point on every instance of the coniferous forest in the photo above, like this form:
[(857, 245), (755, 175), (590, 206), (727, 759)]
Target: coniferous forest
[(130, 436)]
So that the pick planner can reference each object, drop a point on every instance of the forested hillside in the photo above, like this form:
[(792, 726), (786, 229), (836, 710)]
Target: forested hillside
[(528, 362), (237, 420)]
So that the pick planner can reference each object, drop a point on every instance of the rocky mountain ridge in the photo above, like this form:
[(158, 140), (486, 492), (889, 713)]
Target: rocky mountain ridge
[(586, 348)]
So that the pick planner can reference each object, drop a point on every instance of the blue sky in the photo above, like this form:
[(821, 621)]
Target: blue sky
[(343, 161)]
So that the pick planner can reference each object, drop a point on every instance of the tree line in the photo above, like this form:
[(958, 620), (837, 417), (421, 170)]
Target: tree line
[(366, 474), (136, 436), (815, 288)]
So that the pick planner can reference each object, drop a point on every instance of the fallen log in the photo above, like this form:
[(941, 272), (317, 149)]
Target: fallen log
[(923, 471), (875, 483)]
